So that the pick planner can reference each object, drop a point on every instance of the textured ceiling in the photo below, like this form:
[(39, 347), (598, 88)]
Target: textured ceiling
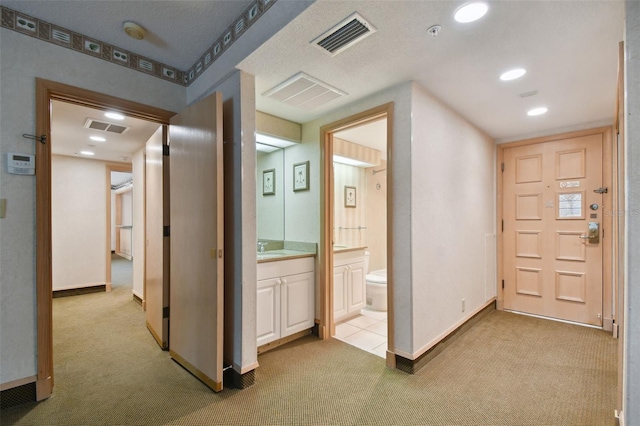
[(178, 31), (568, 48), (69, 137)]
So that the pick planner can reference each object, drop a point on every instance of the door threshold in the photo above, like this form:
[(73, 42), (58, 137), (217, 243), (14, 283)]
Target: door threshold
[(555, 319)]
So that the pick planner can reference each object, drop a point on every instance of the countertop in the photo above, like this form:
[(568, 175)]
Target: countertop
[(283, 254)]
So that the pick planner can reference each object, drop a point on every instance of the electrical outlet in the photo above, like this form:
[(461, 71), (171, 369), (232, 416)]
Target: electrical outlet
[(463, 305)]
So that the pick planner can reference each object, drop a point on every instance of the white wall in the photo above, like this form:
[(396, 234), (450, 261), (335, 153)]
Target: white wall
[(21, 61), (453, 208), (139, 224), (631, 386), (239, 111), (78, 218)]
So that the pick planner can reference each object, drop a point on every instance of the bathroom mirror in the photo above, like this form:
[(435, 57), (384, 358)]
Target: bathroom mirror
[(270, 192)]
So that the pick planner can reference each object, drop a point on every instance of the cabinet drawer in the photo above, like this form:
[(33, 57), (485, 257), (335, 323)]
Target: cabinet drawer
[(285, 267)]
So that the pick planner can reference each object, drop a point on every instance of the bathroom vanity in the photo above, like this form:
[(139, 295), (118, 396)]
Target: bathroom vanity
[(349, 291), (285, 296)]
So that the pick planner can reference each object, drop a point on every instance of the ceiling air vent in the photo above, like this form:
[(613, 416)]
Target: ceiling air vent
[(104, 126), (304, 91), (344, 35)]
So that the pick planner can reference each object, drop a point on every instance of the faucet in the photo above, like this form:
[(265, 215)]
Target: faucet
[(261, 246)]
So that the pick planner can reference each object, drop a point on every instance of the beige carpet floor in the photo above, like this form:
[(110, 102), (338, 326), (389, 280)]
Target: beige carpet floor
[(506, 370)]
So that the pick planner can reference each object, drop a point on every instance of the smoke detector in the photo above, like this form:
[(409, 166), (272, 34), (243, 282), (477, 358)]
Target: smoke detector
[(134, 30), (434, 30)]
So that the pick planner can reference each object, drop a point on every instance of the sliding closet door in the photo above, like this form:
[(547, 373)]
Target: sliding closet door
[(195, 138), (156, 293)]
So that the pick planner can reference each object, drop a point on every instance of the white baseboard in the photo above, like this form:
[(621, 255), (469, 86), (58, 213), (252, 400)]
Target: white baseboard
[(619, 417), (15, 383)]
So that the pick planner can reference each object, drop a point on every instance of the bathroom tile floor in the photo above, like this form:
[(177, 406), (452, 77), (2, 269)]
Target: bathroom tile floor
[(367, 332)]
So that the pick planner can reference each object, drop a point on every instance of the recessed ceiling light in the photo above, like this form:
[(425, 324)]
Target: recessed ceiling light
[(114, 115), (97, 138), (513, 74), (537, 111), (87, 153), (470, 12)]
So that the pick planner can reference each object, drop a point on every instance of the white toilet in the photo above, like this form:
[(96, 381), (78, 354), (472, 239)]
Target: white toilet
[(376, 282)]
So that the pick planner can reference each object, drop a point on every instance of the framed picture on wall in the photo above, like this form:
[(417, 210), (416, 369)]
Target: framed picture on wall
[(269, 182), (349, 196), (301, 176)]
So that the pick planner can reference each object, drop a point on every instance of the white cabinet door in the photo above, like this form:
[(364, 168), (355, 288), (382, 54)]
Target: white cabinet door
[(268, 311), (297, 303), (357, 297), (340, 304)]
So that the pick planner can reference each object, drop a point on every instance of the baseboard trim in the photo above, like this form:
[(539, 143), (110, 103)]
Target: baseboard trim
[(411, 366), (16, 383), (137, 299), (76, 291), (619, 415), (18, 395), (272, 345)]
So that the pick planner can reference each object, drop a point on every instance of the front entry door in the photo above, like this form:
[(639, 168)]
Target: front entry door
[(552, 209), (196, 198)]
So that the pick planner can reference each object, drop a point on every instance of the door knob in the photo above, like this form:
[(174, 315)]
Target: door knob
[(593, 234)]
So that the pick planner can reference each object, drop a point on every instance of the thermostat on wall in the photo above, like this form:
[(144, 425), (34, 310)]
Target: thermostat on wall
[(21, 164)]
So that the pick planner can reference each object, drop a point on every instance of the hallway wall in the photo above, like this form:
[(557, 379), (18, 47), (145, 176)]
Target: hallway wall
[(78, 217), (21, 61)]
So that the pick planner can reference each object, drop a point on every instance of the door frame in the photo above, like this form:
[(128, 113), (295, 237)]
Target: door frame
[(46, 91), (326, 326), (609, 202), (112, 167)]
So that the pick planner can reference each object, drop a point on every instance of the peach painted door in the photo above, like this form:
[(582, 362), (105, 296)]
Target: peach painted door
[(552, 208)]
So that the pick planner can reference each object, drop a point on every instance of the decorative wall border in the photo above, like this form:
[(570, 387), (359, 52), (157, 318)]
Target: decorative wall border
[(51, 33)]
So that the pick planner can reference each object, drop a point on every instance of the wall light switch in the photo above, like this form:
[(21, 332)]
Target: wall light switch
[(3, 207)]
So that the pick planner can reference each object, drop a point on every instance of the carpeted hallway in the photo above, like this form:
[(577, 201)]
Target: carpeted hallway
[(506, 370)]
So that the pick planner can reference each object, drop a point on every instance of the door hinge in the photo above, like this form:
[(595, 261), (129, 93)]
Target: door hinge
[(165, 312), (503, 284), (165, 150), (166, 231), (601, 190), (502, 167), (502, 225)]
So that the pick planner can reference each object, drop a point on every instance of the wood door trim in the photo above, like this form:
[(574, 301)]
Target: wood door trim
[(327, 324), (46, 91), (609, 199)]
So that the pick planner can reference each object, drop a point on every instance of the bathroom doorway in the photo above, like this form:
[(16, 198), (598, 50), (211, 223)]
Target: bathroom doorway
[(356, 232), (360, 236)]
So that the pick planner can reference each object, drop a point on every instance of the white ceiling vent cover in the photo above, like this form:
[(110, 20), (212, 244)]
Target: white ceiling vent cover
[(94, 124), (304, 91), (344, 35)]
